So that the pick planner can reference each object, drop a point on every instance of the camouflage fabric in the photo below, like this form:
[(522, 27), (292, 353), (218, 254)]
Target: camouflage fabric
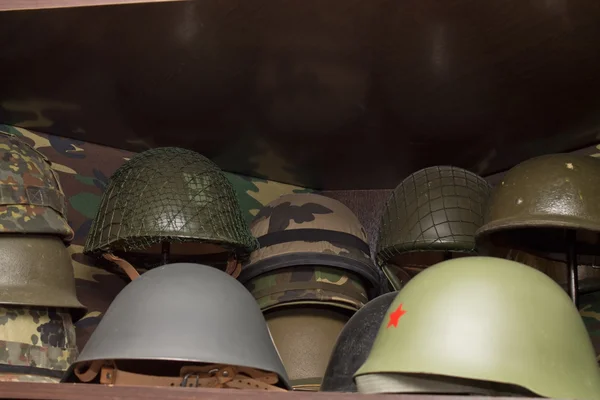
[(309, 229), (308, 285), (84, 169), (35, 341), (31, 198)]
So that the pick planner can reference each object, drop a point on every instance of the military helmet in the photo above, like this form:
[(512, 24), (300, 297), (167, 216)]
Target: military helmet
[(187, 314), (36, 270), (308, 285), (354, 344), (304, 336), (31, 198), (550, 194), (169, 195), (465, 323), (309, 229), (434, 209), (37, 344)]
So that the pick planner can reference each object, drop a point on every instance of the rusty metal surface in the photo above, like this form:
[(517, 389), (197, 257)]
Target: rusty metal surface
[(338, 94)]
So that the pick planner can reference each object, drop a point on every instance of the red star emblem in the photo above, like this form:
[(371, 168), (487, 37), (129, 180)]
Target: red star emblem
[(395, 316)]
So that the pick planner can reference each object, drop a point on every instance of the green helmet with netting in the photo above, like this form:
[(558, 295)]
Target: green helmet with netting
[(432, 215), (169, 195), (482, 325)]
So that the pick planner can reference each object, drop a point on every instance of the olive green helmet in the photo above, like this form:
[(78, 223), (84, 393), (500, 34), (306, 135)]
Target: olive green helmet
[(305, 337), (37, 344), (550, 194), (36, 271), (169, 195), (431, 214), (482, 325), (31, 198)]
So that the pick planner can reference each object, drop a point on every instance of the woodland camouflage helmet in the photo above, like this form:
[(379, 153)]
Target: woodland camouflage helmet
[(550, 194), (188, 314), (309, 229), (308, 285), (168, 194), (36, 344), (31, 198), (434, 209), (354, 344), (482, 325)]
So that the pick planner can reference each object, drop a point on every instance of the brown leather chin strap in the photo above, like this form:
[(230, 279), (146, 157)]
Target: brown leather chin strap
[(206, 376), (234, 267), (129, 269)]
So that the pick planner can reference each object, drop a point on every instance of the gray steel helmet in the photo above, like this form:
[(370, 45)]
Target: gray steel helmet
[(184, 312), (354, 344), (36, 270)]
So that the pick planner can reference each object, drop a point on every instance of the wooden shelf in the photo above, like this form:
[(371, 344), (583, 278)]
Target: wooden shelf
[(66, 391), (14, 5)]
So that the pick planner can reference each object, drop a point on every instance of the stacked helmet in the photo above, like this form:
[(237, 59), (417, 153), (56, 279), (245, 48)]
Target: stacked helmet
[(162, 316), (312, 271), (354, 344), (309, 229), (539, 199), (431, 214), (170, 195), (482, 325), (37, 288), (31, 198), (37, 344)]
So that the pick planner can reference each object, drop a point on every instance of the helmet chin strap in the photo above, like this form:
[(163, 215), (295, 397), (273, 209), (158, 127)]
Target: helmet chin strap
[(206, 376), (129, 269)]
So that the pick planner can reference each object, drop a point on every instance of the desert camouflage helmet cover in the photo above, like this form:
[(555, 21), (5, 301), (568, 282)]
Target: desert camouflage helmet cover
[(556, 191), (36, 270), (309, 229), (36, 344), (485, 319), (31, 198), (168, 194), (185, 312), (354, 344), (436, 208), (308, 285)]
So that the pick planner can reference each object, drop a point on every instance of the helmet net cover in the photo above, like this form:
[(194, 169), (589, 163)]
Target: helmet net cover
[(168, 194), (435, 209)]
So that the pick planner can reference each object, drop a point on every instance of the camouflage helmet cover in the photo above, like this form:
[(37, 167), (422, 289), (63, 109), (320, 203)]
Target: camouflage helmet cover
[(550, 193), (163, 314), (37, 344), (308, 285), (309, 229), (436, 208), (31, 198), (488, 320), (168, 194)]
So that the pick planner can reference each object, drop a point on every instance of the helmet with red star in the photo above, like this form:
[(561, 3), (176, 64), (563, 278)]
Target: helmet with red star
[(485, 326)]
